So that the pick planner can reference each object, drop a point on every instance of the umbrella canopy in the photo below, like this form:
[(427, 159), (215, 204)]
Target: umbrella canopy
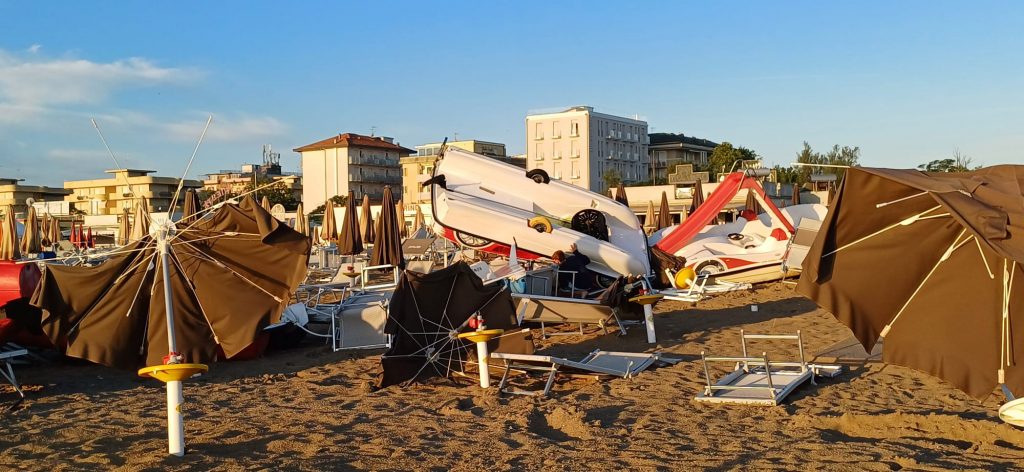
[(620, 194), (649, 220), (752, 204), (301, 224), (698, 196), (55, 233), (796, 195), (30, 239), (388, 248), (419, 221), (190, 207), (366, 222), (400, 211), (230, 276), (932, 263), (9, 249), (350, 243), (329, 229), (140, 227), (831, 193), (265, 203), (664, 213), (124, 227), (44, 231)]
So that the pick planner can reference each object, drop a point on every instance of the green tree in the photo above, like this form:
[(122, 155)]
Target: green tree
[(612, 177), (958, 163), (724, 156), (339, 200)]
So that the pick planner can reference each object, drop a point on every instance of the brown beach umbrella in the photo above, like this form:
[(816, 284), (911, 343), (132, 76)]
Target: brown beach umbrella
[(649, 220), (350, 243), (316, 238), (265, 203), (796, 195), (230, 276), (698, 196), (752, 204), (664, 213), (9, 249), (301, 224), (366, 222), (55, 234), (124, 228), (44, 231), (329, 229), (620, 194), (419, 222), (30, 239), (189, 208), (932, 262), (831, 193), (400, 211), (140, 227), (388, 247)]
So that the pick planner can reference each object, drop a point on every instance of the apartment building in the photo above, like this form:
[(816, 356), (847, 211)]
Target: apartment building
[(349, 161), (241, 181), (14, 193), (669, 150), (579, 145), (110, 196)]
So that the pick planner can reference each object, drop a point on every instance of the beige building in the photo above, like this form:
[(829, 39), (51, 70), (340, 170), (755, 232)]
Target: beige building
[(349, 161), (16, 194), (579, 145), (418, 168), (669, 150), (238, 182), (110, 196)]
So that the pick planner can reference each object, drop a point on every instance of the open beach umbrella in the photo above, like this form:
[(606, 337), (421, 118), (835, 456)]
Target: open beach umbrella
[(301, 224), (932, 263), (366, 222), (190, 207), (265, 203), (388, 247), (664, 213), (698, 196), (419, 222), (140, 227), (9, 249), (350, 243), (124, 228), (620, 194), (328, 229), (649, 220), (400, 211), (30, 239), (752, 204)]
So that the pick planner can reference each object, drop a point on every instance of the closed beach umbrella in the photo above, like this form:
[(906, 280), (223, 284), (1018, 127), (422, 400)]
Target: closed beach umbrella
[(44, 231), (796, 194), (301, 225), (329, 229), (9, 249), (752, 204), (698, 197), (265, 203), (649, 220), (620, 194), (55, 233), (388, 248), (366, 222), (140, 227), (190, 207), (30, 239), (664, 213), (934, 264), (400, 211), (419, 222), (124, 227), (350, 243)]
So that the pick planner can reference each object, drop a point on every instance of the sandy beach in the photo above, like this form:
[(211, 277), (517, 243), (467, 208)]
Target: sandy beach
[(312, 409)]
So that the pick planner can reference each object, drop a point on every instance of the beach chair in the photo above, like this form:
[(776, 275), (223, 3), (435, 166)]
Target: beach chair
[(553, 310), (7, 355), (757, 380), (797, 248), (597, 363), (417, 249), (699, 288)]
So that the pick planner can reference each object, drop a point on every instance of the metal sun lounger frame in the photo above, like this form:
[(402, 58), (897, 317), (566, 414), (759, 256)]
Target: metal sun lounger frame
[(772, 381), (576, 310), (592, 364), (8, 372), (348, 295)]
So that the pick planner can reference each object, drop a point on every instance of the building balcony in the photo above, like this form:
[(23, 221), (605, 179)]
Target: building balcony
[(376, 179), (373, 161)]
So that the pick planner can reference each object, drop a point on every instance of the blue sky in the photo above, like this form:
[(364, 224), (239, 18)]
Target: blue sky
[(907, 81)]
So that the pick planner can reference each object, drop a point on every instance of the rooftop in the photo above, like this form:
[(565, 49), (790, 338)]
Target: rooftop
[(354, 140), (680, 138)]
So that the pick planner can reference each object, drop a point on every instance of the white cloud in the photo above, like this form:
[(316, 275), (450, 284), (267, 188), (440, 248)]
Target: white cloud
[(226, 129), (34, 49)]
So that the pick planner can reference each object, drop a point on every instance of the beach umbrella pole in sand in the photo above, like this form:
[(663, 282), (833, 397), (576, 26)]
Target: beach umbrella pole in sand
[(173, 371)]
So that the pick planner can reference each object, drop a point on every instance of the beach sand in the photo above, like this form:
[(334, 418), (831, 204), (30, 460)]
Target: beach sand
[(312, 409)]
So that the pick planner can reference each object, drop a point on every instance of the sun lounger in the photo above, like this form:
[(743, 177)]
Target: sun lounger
[(698, 289), (552, 310), (757, 380), (417, 248), (8, 372), (359, 323), (798, 246), (597, 363)]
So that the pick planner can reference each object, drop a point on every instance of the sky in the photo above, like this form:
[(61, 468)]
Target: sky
[(908, 82)]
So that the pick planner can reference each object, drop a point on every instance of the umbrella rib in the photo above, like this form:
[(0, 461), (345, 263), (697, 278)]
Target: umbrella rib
[(984, 259), (192, 287), (880, 205), (235, 273), (904, 222), (1005, 341), (945, 256)]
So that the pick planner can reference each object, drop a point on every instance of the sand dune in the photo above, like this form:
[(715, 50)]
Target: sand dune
[(312, 409)]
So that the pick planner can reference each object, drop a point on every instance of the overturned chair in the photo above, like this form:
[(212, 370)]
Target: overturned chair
[(757, 380)]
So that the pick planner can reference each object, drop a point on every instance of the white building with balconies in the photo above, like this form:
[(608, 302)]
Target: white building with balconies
[(349, 161)]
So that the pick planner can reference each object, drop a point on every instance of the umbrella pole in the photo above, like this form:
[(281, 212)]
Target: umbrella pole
[(175, 397)]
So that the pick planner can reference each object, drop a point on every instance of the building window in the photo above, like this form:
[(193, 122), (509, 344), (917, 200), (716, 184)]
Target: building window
[(538, 132), (575, 170), (574, 129), (556, 131), (574, 148)]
